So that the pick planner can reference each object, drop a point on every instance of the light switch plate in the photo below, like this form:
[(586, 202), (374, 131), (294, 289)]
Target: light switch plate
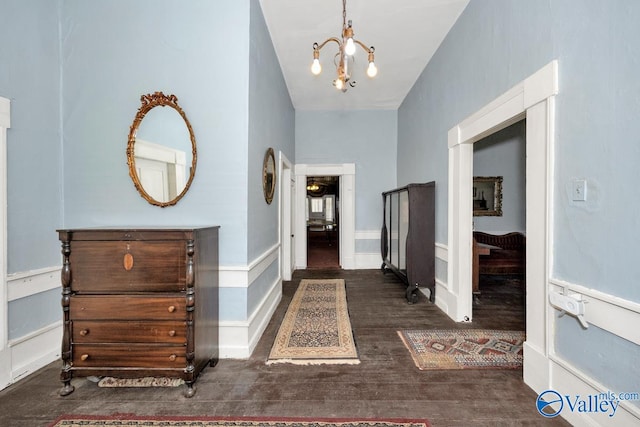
[(579, 190)]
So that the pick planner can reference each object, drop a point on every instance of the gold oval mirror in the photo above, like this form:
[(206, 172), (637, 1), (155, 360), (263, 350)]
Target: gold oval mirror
[(161, 152), (269, 175)]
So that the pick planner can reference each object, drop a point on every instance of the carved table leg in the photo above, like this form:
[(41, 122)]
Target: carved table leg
[(66, 389), (190, 391)]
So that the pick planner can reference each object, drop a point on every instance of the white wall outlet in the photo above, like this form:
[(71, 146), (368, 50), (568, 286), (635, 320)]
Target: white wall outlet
[(579, 190)]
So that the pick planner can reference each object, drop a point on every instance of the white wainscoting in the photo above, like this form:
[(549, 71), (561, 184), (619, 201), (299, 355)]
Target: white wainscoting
[(41, 347), (613, 314), (238, 339), (368, 260)]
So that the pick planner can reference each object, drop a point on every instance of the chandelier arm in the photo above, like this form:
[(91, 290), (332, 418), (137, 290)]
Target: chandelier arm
[(364, 46), (331, 39)]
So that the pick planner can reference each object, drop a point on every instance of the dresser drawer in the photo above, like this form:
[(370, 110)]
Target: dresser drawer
[(129, 356), (131, 331), (127, 266), (127, 307)]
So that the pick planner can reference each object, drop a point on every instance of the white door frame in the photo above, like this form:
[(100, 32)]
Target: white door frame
[(5, 351), (533, 99), (285, 220), (347, 220)]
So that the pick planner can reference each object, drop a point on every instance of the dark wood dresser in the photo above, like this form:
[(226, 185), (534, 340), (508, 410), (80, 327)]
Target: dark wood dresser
[(139, 302)]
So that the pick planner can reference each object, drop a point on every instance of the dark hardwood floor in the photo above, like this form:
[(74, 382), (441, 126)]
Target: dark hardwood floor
[(385, 384)]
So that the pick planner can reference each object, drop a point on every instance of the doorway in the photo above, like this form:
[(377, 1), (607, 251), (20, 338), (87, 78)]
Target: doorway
[(533, 99), (323, 217), (499, 225), (346, 240)]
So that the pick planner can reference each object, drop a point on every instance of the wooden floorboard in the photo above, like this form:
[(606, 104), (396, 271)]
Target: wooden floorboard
[(385, 384)]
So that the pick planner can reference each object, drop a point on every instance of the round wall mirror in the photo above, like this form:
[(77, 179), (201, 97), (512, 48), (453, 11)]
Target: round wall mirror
[(269, 175), (161, 152)]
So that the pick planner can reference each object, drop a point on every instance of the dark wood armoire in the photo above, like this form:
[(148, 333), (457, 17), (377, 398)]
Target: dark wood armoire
[(408, 237)]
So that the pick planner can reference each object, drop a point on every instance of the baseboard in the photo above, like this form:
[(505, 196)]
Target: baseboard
[(535, 369), (368, 261), (569, 381), (34, 351), (238, 339)]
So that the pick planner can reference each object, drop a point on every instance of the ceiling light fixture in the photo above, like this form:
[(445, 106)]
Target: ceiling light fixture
[(344, 58)]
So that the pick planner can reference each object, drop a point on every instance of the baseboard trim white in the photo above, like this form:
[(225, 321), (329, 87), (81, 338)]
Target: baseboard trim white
[(35, 350), (567, 380), (238, 339)]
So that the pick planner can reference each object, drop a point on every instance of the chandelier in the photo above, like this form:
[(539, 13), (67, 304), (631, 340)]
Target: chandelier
[(344, 58)]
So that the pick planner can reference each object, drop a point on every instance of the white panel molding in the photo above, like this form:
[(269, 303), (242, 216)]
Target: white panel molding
[(35, 350), (568, 380), (238, 339), (367, 235), (243, 276), (5, 353), (367, 260), (613, 314), (442, 252), (24, 284)]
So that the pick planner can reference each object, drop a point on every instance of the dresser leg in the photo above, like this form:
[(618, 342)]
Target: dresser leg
[(190, 391), (67, 389)]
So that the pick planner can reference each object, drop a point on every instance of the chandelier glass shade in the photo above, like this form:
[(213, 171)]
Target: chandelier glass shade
[(344, 59)]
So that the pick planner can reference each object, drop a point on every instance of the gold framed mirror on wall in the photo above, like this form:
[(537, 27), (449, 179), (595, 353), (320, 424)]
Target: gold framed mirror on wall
[(487, 196), (161, 150), (269, 176)]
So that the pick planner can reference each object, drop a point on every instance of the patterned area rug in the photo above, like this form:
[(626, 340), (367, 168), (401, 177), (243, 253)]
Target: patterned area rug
[(135, 421), (464, 348), (140, 382), (316, 327)]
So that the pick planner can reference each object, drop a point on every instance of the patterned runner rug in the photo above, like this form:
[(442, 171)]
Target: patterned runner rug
[(316, 327), (464, 348), (136, 421)]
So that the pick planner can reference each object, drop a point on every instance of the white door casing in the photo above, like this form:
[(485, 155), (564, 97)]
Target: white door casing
[(285, 217), (533, 99), (346, 207), (5, 351)]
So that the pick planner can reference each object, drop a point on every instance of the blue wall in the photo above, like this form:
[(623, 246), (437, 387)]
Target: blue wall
[(109, 59), (496, 44), (503, 154), (366, 138), (30, 78)]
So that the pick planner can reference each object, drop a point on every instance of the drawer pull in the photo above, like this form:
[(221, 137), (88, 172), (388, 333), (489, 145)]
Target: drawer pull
[(128, 261), (172, 333), (84, 357), (172, 357), (84, 332), (171, 308)]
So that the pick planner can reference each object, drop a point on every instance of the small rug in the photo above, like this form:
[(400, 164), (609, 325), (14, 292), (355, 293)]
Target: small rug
[(316, 327), (464, 348), (136, 421), (140, 382)]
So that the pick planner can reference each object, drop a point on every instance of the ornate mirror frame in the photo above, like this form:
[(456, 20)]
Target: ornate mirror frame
[(487, 196), (269, 175), (150, 101)]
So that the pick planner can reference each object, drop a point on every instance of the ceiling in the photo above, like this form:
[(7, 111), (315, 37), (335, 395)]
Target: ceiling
[(405, 34)]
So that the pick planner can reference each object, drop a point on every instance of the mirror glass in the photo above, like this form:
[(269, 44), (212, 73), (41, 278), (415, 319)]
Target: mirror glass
[(269, 175), (162, 151)]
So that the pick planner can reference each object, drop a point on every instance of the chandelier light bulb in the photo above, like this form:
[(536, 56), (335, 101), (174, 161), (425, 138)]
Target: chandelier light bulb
[(350, 47), (344, 58), (372, 70), (316, 68)]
